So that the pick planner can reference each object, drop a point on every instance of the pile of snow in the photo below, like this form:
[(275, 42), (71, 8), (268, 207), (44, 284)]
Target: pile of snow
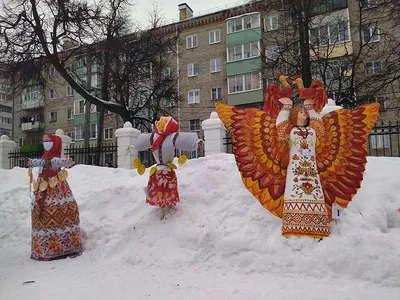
[(218, 243)]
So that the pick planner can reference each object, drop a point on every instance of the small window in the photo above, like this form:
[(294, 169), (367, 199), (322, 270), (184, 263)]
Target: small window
[(214, 36), (215, 65), (371, 35), (194, 125), (271, 23), (71, 134), (193, 70), (216, 94), (53, 93), (191, 41), (108, 133), (53, 116), (167, 72), (21, 141), (374, 68), (69, 114), (70, 91), (79, 133), (194, 96), (272, 53), (79, 107), (368, 3), (81, 61), (93, 82), (93, 131)]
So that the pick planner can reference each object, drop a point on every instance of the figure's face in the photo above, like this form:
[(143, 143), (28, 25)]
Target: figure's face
[(302, 116)]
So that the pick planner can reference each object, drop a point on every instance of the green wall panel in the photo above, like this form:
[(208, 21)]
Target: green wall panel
[(244, 36), (246, 97), (243, 66)]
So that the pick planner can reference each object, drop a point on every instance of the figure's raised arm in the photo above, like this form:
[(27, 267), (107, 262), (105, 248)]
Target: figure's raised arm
[(143, 142), (282, 121), (186, 141), (315, 118)]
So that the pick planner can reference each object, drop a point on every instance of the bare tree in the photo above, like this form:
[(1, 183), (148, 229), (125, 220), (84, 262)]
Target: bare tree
[(338, 42), (36, 32)]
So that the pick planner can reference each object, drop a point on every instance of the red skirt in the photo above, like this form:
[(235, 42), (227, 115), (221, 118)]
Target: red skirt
[(163, 188)]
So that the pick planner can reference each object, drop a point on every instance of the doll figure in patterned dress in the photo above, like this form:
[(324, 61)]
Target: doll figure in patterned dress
[(55, 213), (298, 165)]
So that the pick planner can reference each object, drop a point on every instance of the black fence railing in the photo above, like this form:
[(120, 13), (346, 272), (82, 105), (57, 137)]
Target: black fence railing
[(384, 140), (107, 155), (20, 158)]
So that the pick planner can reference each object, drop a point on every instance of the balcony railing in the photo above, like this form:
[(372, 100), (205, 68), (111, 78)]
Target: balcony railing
[(32, 126)]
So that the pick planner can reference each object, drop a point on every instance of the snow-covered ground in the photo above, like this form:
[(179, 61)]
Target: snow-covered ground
[(218, 243)]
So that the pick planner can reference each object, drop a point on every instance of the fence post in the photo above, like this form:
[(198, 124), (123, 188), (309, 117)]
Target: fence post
[(6, 146), (214, 133), (66, 141), (126, 137)]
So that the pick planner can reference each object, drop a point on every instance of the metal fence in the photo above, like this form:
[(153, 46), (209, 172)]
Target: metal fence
[(88, 155), (384, 140), (20, 158)]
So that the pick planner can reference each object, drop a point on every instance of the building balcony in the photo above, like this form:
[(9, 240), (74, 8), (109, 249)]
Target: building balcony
[(32, 104), (32, 126)]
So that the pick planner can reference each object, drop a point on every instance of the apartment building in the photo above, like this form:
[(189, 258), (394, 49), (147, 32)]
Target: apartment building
[(5, 103)]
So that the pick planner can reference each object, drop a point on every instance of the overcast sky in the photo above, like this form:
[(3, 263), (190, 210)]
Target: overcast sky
[(170, 12)]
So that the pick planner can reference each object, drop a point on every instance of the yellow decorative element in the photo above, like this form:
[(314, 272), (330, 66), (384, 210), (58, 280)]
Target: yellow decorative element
[(53, 181), (137, 163), (153, 170), (182, 159), (35, 185), (141, 169), (171, 165), (62, 175), (43, 185)]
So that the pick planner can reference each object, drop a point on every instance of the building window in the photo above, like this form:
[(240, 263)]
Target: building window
[(79, 130), (108, 133), (21, 141), (109, 158), (81, 61), (79, 107), (243, 51), (53, 93), (215, 65), (194, 96), (5, 120), (93, 131), (371, 35), (271, 53), (244, 23), (330, 34), (374, 68), (243, 83), (194, 125), (271, 23), (167, 72), (216, 93), (70, 91), (52, 71), (5, 109), (191, 41), (53, 116), (31, 92), (71, 134), (214, 36), (69, 114), (193, 70), (368, 3), (3, 97), (380, 141)]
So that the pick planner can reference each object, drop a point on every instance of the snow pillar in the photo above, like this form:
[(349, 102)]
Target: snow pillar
[(66, 141), (331, 106), (6, 146), (126, 137), (214, 134)]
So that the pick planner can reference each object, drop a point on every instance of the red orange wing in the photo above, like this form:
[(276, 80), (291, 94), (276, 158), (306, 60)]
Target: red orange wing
[(258, 153), (342, 153)]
